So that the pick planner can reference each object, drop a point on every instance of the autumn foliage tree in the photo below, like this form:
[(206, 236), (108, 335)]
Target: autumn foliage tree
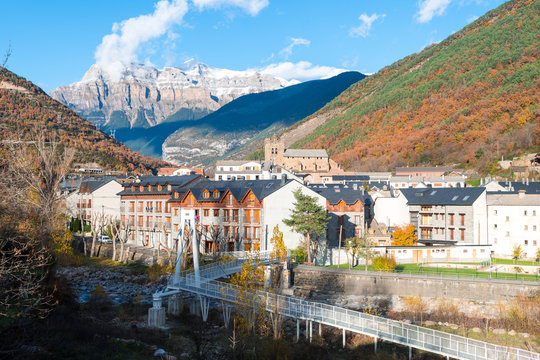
[(404, 235)]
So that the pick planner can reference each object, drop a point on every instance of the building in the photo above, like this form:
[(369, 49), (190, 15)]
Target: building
[(145, 208), (238, 170), (514, 220), (448, 215), (411, 181), (93, 198), (179, 171), (296, 160), (389, 209), (349, 208), (421, 171), (241, 215)]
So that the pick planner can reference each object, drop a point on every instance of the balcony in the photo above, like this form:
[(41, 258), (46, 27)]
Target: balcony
[(149, 209)]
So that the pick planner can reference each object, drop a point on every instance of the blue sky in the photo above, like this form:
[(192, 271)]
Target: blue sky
[(55, 42)]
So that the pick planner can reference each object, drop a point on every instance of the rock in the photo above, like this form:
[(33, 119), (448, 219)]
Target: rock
[(476, 330), (499, 331), (160, 352), (453, 326), (512, 332), (525, 335), (429, 323)]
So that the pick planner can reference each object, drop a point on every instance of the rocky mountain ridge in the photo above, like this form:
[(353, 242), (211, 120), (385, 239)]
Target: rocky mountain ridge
[(145, 96)]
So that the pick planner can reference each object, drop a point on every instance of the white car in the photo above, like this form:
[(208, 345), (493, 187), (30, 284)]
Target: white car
[(104, 239)]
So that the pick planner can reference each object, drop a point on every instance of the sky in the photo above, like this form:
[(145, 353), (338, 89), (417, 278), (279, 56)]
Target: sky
[(55, 42)]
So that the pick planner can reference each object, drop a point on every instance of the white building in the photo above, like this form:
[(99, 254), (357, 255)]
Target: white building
[(95, 197), (238, 170), (390, 210), (514, 220)]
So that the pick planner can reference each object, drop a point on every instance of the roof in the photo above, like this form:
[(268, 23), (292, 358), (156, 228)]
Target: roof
[(424, 169), (176, 182), (305, 153), (238, 188), (442, 196), (93, 185), (350, 177), (179, 180), (513, 199), (334, 193), (234, 162), (532, 187)]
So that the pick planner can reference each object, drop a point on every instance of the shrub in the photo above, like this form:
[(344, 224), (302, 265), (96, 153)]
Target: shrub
[(299, 255), (415, 305), (156, 271), (384, 263)]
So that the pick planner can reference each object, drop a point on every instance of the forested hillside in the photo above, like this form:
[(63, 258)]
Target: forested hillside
[(26, 110), (468, 100)]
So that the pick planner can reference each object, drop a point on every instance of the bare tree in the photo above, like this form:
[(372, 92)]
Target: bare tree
[(217, 238), (36, 171), (163, 243), (115, 230), (7, 55), (97, 223), (125, 233)]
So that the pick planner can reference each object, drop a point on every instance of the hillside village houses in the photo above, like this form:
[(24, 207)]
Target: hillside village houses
[(241, 212)]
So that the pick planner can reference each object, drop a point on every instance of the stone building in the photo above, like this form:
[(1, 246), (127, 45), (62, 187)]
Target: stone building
[(296, 160)]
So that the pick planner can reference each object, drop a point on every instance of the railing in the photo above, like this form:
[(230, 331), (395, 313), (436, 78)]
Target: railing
[(391, 330)]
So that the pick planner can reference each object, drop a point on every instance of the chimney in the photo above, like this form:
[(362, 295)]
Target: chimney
[(362, 190), (521, 194), (355, 186), (527, 182), (283, 179)]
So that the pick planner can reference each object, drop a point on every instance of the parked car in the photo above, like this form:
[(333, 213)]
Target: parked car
[(104, 239)]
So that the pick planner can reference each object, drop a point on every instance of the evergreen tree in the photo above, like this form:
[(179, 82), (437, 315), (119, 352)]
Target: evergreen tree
[(307, 218)]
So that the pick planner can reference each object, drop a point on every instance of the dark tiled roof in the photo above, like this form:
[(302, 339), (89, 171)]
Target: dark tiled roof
[(533, 187), (180, 180), (238, 188), (442, 196), (334, 193), (424, 169), (93, 185), (350, 177)]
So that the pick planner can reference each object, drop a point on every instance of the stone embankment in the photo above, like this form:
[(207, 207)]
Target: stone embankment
[(121, 284)]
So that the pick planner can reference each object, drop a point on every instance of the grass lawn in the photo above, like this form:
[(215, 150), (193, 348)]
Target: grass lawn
[(433, 271), (512, 262)]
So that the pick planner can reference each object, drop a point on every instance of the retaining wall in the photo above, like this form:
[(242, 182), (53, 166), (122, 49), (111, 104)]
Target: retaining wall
[(360, 283)]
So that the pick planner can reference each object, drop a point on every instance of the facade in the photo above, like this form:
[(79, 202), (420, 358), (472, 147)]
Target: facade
[(448, 215), (349, 208), (180, 171), (145, 208), (95, 197), (296, 160), (390, 210), (241, 215), (238, 170), (423, 171), (514, 220)]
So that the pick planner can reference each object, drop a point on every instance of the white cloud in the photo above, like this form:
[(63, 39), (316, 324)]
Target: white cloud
[(430, 8), (301, 71), (287, 51), (252, 7), (119, 49), (471, 19), (365, 25)]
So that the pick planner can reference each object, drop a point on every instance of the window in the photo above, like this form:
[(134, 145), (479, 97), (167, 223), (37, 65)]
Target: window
[(534, 212), (216, 194), (534, 242), (216, 212), (132, 206), (256, 216), (494, 212), (534, 227), (175, 211), (226, 215), (141, 205), (357, 220), (235, 215), (206, 212), (462, 219), (451, 234), (526, 227), (526, 242), (451, 219), (524, 212), (230, 199), (140, 220), (508, 218), (206, 194), (494, 226), (462, 234)]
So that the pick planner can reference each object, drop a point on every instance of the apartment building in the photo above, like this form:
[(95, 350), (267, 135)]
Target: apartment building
[(93, 197), (448, 215), (146, 210), (241, 214), (514, 220), (349, 208)]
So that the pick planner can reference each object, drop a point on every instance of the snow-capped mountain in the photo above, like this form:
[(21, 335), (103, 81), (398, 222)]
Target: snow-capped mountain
[(145, 96)]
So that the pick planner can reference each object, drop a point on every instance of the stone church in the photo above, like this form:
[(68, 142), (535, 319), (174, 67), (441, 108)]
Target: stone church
[(297, 160)]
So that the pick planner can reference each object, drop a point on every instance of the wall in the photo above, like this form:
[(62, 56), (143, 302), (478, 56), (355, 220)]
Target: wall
[(277, 206), (353, 282), (391, 211)]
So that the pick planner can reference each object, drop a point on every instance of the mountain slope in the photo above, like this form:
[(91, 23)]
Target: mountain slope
[(235, 128), (145, 96), (26, 109), (469, 100)]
